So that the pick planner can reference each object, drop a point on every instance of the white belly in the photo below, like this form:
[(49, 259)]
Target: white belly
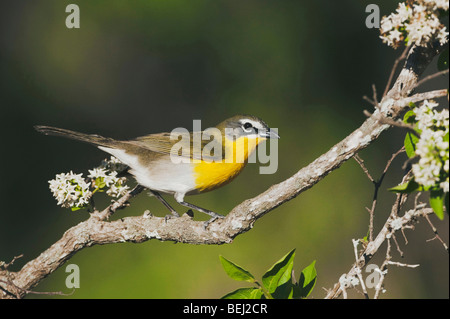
[(163, 176)]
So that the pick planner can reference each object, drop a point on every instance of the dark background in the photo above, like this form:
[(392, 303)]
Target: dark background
[(140, 67)]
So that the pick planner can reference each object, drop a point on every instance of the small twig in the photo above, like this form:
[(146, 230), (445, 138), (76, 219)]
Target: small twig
[(385, 120), (401, 150), (436, 235), (375, 195), (344, 292), (404, 236), (383, 269), (401, 198), (374, 96), (398, 246), (360, 161), (358, 270), (120, 203), (430, 77), (52, 293), (416, 200), (394, 68), (369, 100), (374, 100), (424, 96), (396, 263), (378, 114), (377, 185), (6, 265), (406, 165)]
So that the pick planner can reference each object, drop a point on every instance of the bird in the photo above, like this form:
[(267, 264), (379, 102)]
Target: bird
[(186, 165)]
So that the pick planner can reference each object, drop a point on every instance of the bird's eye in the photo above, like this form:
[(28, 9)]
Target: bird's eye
[(247, 125)]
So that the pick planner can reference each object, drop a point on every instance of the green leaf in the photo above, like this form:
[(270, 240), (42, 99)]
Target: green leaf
[(236, 272), (409, 117), (437, 203), (244, 293), (256, 293), (410, 144), (442, 62), (307, 281), (407, 187), (412, 105), (279, 276), (284, 290), (75, 208)]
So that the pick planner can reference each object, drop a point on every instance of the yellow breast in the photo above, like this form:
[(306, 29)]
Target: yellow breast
[(211, 175)]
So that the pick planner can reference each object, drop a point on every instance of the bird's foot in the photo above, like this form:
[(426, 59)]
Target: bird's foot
[(212, 219), (169, 216)]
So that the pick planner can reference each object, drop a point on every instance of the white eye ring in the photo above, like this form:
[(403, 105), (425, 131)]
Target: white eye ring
[(249, 128)]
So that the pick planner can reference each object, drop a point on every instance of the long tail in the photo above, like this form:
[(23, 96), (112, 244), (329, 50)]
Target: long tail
[(88, 138)]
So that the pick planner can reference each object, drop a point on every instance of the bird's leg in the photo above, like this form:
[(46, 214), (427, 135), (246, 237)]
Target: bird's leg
[(162, 200), (213, 215)]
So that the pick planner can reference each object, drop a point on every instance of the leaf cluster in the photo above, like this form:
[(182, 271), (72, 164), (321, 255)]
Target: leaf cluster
[(277, 283)]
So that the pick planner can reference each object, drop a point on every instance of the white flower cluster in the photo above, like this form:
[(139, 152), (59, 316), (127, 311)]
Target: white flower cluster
[(70, 190), (102, 178), (415, 24), (73, 191), (432, 170)]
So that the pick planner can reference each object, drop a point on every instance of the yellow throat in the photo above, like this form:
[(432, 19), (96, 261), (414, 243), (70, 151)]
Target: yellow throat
[(211, 175)]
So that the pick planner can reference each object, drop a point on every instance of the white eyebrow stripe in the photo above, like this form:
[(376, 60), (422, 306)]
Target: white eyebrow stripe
[(252, 122)]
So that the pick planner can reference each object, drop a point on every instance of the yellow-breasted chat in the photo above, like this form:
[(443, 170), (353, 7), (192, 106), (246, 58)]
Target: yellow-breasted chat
[(188, 164)]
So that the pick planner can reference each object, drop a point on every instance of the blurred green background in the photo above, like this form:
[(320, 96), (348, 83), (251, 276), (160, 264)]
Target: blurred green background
[(140, 67)]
